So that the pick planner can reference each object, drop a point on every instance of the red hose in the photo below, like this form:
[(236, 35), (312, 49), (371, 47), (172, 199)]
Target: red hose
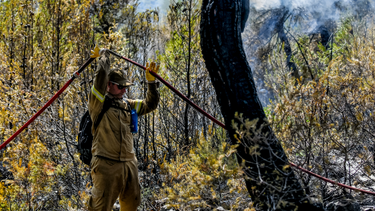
[(174, 90), (223, 126), (331, 181), (47, 104)]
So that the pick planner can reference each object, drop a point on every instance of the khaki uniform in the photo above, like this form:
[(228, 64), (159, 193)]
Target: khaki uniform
[(114, 165)]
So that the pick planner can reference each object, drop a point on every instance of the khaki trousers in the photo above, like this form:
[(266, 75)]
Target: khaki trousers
[(112, 179)]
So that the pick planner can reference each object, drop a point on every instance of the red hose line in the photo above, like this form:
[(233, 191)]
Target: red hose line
[(174, 90), (331, 181), (223, 126), (36, 115), (47, 104)]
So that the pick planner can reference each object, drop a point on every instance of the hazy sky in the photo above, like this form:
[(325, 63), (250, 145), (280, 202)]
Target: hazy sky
[(151, 4)]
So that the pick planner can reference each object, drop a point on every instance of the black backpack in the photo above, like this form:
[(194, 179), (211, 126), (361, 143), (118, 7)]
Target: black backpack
[(85, 137)]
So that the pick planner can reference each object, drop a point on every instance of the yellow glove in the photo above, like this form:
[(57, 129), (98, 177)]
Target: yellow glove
[(95, 52), (154, 69)]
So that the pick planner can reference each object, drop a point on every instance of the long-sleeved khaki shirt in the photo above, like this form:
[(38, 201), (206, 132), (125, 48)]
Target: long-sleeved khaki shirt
[(112, 137)]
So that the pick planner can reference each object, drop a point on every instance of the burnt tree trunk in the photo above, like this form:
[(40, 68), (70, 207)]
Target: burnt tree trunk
[(270, 181)]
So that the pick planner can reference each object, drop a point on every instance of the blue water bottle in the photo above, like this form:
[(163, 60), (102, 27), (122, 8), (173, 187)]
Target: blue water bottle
[(134, 121)]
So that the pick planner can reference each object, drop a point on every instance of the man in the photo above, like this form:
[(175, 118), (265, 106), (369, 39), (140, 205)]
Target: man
[(114, 166)]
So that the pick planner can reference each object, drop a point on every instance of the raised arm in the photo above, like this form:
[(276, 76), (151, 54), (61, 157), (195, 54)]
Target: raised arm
[(151, 101), (98, 90)]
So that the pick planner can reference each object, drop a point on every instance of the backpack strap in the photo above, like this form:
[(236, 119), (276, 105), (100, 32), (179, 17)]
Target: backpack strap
[(107, 104), (129, 107)]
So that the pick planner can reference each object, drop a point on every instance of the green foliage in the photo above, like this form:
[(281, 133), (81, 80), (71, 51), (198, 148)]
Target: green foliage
[(182, 58), (324, 116), (44, 43), (206, 178), (326, 124), (41, 48)]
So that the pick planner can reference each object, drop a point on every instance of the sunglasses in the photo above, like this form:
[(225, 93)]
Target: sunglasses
[(118, 85)]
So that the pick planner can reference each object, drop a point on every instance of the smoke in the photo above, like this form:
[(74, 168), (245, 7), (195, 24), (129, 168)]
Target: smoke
[(309, 16), (320, 9), (286, 18), (295, 4)]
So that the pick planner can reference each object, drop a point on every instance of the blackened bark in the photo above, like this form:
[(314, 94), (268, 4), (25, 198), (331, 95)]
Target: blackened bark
[(270, 181)]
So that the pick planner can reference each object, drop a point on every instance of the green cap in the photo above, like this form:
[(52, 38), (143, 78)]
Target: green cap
[(118, 76)]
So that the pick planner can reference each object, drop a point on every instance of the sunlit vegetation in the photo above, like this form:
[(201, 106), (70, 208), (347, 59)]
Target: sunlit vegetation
[(323, 113), (324, 117)]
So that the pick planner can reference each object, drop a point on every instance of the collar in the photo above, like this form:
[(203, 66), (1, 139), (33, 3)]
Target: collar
[(113, 97)]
